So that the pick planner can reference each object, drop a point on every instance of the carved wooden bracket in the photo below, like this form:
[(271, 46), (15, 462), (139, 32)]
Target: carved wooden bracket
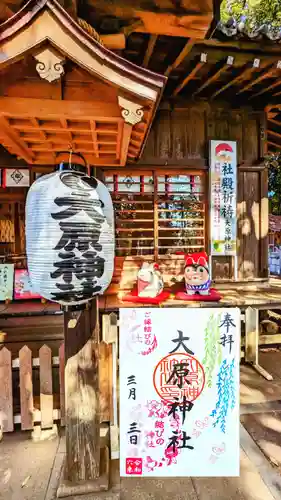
[(131, 111), (49, 65)]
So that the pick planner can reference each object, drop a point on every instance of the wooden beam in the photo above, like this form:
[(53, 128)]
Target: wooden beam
[(126, 137), (277, 93), (247, 46), (95, 138), (247, 70), (14, 197), (114, 42), (188, 78), (170, 24), (235, 80), (275, 122), (10, 137), (272, 132), (149, 51), (274, 144), (266, 89), (183, 54), (216, 75), (267, 73), (26, 107)]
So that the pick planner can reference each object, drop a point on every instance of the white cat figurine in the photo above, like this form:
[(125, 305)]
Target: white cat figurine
[(150, 281)]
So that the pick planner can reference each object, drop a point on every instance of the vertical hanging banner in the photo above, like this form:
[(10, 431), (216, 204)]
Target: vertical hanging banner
[(223, 196), (6, 281), (179, 392)]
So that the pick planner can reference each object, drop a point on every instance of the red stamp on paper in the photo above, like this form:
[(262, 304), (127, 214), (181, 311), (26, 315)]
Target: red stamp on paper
[(134, 466), (178, 375)]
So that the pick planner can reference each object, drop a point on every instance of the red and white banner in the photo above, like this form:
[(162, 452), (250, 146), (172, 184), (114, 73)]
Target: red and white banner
[(223, 195)]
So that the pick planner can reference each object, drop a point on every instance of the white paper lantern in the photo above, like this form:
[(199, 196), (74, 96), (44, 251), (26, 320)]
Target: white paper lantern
[(69, 237)]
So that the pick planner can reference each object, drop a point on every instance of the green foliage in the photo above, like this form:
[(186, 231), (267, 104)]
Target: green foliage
[(274, 183), (253, 12), (213, 350)]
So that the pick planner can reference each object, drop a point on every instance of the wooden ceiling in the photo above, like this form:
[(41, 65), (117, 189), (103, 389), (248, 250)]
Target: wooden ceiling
[(37, 131), (60, 90)]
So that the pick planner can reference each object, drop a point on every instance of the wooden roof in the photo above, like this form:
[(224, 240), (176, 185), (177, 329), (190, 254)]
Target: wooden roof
[(108, 125), (120, 17)]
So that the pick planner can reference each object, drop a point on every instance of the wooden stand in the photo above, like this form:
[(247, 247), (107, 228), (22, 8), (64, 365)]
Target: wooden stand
[(82, 471)]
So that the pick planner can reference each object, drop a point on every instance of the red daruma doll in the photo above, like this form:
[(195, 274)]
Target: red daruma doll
[(196, 274)]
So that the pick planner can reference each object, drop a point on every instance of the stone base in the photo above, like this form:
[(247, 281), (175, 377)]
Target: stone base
[(39, 434), (68, 488)]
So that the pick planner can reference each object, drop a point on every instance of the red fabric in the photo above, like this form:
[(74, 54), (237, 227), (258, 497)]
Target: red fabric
[(213, 296), (133, 297)]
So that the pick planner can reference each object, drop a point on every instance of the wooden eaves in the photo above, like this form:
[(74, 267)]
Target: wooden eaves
[(45, 33)]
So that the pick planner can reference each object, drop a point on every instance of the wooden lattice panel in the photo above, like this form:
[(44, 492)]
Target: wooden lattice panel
[(43, 138)]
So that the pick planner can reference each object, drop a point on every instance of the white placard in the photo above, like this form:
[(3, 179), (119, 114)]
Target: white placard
[(14, 177), (179, 392), (223, 195)]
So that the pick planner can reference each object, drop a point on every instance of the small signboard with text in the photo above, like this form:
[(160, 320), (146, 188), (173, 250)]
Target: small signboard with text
[(179, 392), (6, 281), (223, 196)]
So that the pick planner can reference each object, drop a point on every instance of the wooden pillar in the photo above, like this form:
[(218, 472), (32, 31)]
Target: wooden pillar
[(82, 472)]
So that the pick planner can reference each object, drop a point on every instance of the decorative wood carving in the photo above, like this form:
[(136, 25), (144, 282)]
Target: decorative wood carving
[(131, 111), (49, 65)]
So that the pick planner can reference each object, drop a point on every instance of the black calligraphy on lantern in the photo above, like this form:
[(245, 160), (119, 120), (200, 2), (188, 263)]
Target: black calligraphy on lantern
[(180, 343), (131, 380), (182, 407), (175, 441), (78, 247), (133, 433), (226, 337)]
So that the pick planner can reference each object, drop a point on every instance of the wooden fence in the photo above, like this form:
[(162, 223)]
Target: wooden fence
[(32, 388), (33, 409)]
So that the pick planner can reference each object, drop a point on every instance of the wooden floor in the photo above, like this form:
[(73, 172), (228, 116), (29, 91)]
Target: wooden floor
[(261, 405)]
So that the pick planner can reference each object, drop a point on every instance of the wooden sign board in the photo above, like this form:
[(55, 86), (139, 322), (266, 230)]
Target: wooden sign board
[(16, 177)]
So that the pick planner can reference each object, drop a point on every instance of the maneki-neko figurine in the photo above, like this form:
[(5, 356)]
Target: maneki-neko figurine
[(150, 286), (197, 279), (150, 281)]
